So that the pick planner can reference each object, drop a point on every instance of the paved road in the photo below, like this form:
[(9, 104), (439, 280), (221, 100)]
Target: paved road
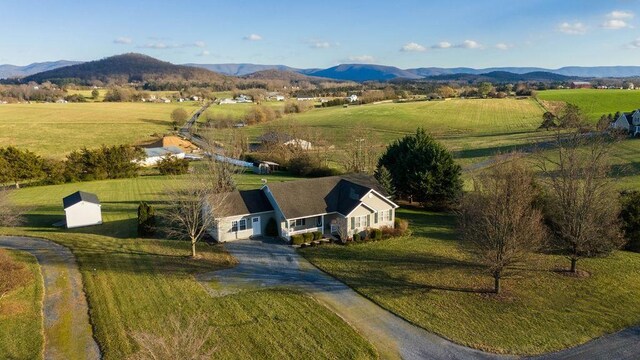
[(264, 263), (66, 315), (268, 264)]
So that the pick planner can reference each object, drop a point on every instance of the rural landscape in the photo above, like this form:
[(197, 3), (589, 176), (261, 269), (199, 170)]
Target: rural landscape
[(178, 195)]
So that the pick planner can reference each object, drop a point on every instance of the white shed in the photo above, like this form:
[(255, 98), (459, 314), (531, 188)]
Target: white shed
[(82, 209), (154, 155)]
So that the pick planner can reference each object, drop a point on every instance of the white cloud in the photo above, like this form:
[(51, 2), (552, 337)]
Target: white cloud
[(503, 46), (442, 45), (617, 14), (576, 28), (123, 40), (413, 47), (615, 24), (199, 44), (253, 37), (635, 44), (204, 53), (469, 44), (318, 44), (156, 45), (362, 58)]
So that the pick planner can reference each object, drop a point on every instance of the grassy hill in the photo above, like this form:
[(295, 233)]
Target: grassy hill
[(595, 102), (53, 130)]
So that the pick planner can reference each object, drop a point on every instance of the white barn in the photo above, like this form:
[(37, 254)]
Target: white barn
[(82, 209), (154, 155)]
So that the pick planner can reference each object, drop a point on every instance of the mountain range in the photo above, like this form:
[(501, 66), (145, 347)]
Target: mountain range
[(126, 65)]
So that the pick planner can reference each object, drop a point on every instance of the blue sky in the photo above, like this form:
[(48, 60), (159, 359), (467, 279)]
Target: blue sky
[(403, 33)]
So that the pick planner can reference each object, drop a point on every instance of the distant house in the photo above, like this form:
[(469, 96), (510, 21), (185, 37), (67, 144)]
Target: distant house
[(82, 209), (346, 205), (629, 121), (353, 98), (305, 98), (155, 154), (243, 99), (631, 86), (275, 138), (580, 85), (195, 98), (227, 101)]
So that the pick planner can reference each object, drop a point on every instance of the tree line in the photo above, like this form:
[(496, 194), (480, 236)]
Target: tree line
[(107, 162)]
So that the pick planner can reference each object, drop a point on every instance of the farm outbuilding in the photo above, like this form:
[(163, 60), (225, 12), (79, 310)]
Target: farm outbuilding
[(82, 209)]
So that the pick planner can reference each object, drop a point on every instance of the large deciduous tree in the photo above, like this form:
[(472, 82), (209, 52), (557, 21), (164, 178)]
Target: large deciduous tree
[(581, 203), (423, 170), (498, 221), (179, 116)]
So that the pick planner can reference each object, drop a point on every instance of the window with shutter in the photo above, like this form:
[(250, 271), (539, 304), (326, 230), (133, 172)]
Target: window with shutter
[(375, 218), (353, 223)]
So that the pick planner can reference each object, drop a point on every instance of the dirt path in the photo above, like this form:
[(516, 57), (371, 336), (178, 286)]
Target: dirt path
[(264, 263), (67, 331)]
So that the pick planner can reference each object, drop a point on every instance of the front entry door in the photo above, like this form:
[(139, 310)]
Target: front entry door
[(255, 224)]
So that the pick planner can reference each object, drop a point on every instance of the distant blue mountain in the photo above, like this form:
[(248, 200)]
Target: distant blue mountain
[(11, 71), (242, 69)]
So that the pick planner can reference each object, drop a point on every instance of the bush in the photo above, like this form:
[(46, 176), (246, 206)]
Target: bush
[(317, 235), (297, 239), (308, 237), (376, 234), (387, 232), (400, 226), (271, 229), (170, 165), (356, 237), (146, 220), (364, 235)]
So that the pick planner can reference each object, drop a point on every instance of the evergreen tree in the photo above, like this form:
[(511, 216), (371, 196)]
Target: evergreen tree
[(146, 220), (423, 170), (383, 176)]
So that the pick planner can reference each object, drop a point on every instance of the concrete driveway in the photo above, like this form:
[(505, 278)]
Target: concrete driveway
[(264, 263)]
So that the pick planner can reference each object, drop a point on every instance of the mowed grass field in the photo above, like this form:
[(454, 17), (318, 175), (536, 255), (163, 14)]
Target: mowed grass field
[(430, 280), (595, 102), (139, 286), (53, 130), (21, 313)]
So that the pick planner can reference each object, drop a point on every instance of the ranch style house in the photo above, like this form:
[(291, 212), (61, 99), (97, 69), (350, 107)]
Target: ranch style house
[(334, 205)]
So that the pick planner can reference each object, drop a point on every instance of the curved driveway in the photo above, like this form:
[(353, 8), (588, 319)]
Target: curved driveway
[(67, 331), (262, 263)]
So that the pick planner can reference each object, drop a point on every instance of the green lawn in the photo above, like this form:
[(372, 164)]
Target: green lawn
[(21, 314), (53, 130), (595, 102), (139, 286), (429, 280)]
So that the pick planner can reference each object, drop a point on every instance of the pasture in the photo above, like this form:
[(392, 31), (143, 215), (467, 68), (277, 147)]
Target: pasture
[(429, 279), (53, 130), (21, 312), (139, 286), (595, 102)]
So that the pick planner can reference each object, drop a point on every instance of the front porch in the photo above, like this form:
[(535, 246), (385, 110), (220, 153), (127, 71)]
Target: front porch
[(327, 224)]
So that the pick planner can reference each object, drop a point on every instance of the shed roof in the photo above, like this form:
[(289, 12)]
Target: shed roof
[(80, 196)]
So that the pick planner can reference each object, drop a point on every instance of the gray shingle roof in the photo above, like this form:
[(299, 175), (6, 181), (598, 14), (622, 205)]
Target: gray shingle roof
[(79, 196), (309, 197), (245, 202)]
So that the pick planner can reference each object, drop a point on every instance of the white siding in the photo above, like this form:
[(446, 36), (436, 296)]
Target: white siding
[(621, 123), (223, 231), (83, 214)]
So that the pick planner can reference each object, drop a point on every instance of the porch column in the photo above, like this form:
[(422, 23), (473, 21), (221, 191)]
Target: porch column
[(322, 231)]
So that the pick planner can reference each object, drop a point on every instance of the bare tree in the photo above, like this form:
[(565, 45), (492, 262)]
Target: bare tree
[(581, 205), (10, 215), (187, 342), (361, 150), (498, 220), (195, 206)]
